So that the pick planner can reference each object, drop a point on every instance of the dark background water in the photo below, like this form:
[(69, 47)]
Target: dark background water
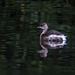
[(19, 37)]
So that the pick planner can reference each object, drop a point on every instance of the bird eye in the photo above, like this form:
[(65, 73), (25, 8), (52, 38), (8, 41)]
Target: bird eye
[(41, 25)]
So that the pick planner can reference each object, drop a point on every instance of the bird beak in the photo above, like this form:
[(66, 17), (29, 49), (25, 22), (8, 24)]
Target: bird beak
[(38, 27), (38, 51)]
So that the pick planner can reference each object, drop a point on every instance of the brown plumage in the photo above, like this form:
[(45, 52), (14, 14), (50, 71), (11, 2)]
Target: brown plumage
[(50, 39)]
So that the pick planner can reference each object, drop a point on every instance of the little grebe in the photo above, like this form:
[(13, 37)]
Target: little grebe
[(50, 39)]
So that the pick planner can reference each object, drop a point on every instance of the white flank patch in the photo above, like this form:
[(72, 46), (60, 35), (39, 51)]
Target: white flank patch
[(59, 36)]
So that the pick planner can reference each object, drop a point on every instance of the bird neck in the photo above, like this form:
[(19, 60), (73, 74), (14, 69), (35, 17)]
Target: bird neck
[(44, 31)]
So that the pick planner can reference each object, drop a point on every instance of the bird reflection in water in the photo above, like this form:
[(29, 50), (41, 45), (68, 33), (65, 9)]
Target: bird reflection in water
[(50, 40)]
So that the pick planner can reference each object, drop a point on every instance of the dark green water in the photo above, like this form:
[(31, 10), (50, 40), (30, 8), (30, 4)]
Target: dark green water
[(19, 38)]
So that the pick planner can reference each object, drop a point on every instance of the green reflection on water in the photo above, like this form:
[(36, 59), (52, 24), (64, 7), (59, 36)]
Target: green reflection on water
[(20, 39)]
